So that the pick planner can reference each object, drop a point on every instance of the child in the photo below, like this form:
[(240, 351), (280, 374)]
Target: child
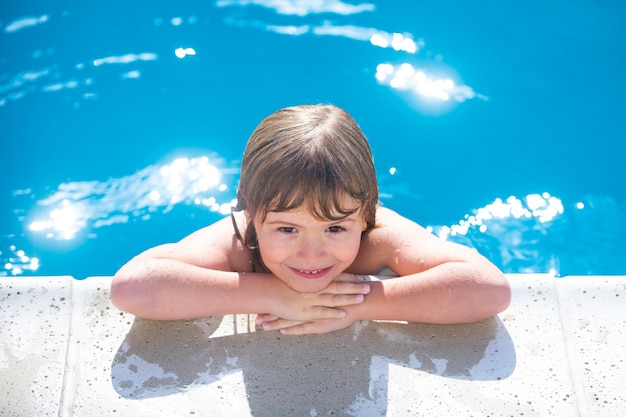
[(305, 232)]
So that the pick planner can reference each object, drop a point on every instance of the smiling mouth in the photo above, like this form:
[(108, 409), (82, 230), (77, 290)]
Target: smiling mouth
[(311, 273)]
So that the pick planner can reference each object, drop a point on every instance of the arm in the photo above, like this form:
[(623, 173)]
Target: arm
[(453, 292), (156, 285), (208, 273), (439, 281)]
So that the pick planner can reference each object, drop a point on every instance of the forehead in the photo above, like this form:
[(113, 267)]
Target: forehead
[(302, 216), (350, 208)]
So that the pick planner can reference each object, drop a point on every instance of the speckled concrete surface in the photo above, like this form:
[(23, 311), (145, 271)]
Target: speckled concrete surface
[(559, 350)]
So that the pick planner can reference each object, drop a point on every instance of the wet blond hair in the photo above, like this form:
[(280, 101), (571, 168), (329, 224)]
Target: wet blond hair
[(311, 156)]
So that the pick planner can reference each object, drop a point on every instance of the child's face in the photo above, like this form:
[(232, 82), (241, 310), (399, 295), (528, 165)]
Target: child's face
[(306, 253)]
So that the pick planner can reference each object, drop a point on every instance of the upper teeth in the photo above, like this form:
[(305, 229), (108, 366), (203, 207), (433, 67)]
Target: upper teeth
[(310, 272)]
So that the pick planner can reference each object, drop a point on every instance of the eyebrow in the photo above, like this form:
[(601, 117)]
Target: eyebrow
[(285, 222), (280, 222)]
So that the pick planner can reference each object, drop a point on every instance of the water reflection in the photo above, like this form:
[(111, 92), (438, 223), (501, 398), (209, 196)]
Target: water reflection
[(80, 205), (16, 262), (536, 233), (408, 78), (302, 8), (397, 41), (404, 77), (505, 222), (532, 233), (540, 233), (25, 22), (183, 52), (542, 207), (296, 19), (126, 58)]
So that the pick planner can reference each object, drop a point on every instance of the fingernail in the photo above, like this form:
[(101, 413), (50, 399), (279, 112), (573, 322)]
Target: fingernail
[(360, 297), (360, 278), (366, 288)]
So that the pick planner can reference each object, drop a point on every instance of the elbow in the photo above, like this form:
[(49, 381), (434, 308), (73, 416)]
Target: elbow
[(494, 298), (121, 292), (505, 295), (127, 294), (501, 296)]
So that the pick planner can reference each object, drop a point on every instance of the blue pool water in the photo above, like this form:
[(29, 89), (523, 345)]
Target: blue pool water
[(498, 125)]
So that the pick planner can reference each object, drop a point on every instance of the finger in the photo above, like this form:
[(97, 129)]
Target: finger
[(338, 300), (262, 318), (322, 312), (315, 327), (297, 330), (279, 324), (347, 288), (345, 277), (314, 313)]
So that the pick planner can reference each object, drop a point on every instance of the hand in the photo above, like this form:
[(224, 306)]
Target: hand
[(317, 312), (344, 290), (294, 328)]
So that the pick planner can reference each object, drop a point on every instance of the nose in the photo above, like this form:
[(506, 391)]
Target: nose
[(311, 250)]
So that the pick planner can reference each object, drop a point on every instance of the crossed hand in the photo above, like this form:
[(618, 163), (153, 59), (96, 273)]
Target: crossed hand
[(325, 311)]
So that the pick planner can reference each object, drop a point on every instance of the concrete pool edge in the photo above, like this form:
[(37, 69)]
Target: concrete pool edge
[(559, 350)]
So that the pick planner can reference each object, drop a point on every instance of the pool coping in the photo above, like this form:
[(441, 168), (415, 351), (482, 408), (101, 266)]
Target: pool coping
[(559, 350)]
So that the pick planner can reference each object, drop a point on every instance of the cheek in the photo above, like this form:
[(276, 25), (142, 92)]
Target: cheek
[(272, 251), (350, 249)]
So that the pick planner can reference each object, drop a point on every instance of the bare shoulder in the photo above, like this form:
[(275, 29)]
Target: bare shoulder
[(394, 229), (405, 246), (215, 247)]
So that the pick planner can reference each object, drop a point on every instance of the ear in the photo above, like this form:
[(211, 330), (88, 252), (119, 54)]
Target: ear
[(363, 220)]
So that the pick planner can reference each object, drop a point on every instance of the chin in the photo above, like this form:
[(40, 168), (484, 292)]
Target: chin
[(309, 286)]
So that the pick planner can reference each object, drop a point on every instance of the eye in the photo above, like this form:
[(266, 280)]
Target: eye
[(336, 229), (287, 229)]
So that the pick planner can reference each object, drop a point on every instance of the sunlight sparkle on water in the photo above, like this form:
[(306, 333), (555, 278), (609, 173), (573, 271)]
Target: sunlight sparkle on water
[(131, 75), (16, 262), (25, 22), (125, 59), (396, 41), (183, 52), (406, 77), (79, 205), (64, 221), (542, 207)]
